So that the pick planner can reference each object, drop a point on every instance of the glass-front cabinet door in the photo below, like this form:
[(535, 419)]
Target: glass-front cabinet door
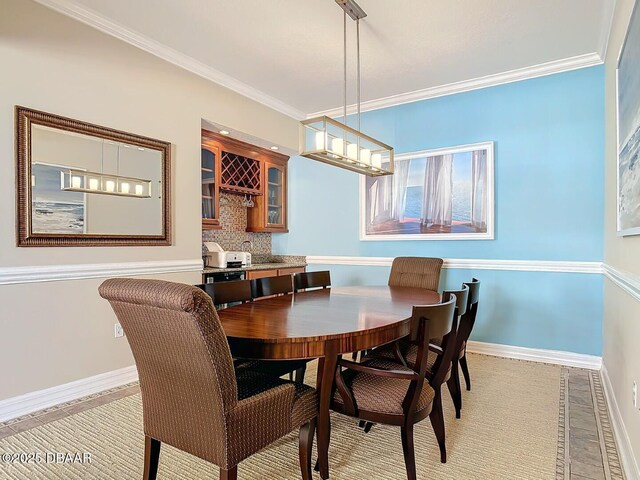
[(275, 195), (210, 157), (270, 211)]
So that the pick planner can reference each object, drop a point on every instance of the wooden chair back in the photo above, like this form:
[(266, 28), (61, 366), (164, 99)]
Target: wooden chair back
[(434, 321), (418, 272), (306, 280), (268, 286), (462, 297), (228, 292), (468, 318)]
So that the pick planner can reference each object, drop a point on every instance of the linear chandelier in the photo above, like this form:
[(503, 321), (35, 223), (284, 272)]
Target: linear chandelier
[(93, 182), (75, 180), (329, 141)]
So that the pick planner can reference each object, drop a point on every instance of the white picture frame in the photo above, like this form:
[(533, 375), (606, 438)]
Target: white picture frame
[(488, 234), (628, 130)]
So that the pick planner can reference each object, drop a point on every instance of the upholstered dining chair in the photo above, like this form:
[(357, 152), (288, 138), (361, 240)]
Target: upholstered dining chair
[(191, 397), (398, 395), (404, 351), (311, 280), (467, 318), (418, 272)]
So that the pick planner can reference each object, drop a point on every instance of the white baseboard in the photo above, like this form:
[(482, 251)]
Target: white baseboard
[(625, 452), (556, 357), (32, 402)]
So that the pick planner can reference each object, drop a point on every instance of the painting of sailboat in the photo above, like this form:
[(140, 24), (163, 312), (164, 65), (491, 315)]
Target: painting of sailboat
[(54, 210), (629, 130)]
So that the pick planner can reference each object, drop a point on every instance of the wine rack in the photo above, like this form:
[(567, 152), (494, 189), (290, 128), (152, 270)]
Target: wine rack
[(240, 174)]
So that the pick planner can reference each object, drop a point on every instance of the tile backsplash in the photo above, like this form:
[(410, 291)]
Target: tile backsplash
[(233, 218)]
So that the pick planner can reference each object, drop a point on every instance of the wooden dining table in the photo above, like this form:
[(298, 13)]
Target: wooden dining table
[(322, 324)]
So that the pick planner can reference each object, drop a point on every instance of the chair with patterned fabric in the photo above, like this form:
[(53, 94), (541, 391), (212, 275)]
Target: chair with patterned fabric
[(418, 272), (404, 351), (399, 395), (191, 397)]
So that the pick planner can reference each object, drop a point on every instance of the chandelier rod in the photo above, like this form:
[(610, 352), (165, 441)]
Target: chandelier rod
[(358, 69), (344, 21)]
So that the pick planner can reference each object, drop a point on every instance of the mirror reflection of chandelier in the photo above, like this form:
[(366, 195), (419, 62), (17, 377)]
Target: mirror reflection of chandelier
[(75, 180), (329, 141)]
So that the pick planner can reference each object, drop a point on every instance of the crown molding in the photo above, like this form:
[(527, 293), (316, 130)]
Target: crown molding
[(471, 264), (54, 273), (105, 25), (608, 10), (543, 69)]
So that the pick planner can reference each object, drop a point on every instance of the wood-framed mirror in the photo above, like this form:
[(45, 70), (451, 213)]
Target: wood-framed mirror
[(80, 184)]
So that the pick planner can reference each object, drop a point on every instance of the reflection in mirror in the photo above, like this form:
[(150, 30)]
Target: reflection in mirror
[(84, 184), (89, 185)]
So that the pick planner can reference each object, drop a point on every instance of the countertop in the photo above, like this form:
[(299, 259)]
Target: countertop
[(257, 266)]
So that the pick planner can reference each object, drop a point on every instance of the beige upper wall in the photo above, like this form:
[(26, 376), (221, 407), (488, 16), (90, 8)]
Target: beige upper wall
[(57, 332), (58, 65), (621, 325)]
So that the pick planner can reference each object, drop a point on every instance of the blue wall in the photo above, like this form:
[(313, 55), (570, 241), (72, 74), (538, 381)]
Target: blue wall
[(549, 198)]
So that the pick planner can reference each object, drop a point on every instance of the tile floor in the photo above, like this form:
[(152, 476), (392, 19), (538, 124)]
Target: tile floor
[(586, 447)]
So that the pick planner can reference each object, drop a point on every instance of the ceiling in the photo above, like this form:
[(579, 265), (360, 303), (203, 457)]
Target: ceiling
[(288, 53)]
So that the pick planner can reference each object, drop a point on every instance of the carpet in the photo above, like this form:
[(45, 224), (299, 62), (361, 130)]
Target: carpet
[(508, 430)]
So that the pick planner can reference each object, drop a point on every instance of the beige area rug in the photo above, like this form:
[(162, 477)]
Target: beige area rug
[(508, 430)]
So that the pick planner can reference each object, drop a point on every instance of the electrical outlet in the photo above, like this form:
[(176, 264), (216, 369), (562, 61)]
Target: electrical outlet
[(634, 393), (118, 332)]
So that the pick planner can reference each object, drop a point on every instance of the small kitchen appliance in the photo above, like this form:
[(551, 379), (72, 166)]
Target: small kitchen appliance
[(217, 257)]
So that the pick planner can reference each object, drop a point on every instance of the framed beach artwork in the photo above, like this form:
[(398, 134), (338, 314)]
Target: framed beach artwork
[(443, 194), (628, 83), (55, 210)]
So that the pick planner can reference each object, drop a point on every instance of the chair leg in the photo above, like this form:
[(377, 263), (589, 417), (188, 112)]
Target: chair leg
[(367, 427), (299, 374), (465, 371), (231, 474), (151, 457), (408, 450), (454, 387), (307, 431), (437, 422)]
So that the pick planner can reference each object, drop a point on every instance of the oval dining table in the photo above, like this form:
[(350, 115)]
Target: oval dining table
[(322, 324)]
